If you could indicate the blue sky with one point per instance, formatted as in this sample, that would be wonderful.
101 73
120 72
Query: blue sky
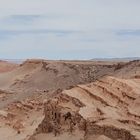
69 29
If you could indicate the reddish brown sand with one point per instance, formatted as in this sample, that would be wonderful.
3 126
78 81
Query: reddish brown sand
103 99
6 66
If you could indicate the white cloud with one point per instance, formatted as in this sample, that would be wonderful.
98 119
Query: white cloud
94 25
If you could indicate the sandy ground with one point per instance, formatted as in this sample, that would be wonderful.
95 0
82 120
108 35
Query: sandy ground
6 66
112 100
111 103
19 120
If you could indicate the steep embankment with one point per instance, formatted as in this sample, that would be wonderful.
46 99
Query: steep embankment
106 109
40 75
128 70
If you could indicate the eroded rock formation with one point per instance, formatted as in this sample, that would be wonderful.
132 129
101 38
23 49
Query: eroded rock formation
102 108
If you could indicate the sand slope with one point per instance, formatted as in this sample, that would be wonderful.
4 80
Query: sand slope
41 75
6 66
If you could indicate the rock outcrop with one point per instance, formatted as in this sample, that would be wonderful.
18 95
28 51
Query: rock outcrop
84 100
102 108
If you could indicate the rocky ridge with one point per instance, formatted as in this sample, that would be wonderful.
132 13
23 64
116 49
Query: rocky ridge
102 108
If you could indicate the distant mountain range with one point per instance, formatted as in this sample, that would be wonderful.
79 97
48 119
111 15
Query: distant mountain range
126 59
17 61
117 59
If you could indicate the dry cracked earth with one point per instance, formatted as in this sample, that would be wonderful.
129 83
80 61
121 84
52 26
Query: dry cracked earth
70 100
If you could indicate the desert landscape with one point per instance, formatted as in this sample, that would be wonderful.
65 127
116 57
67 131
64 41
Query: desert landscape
69 70
70 100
